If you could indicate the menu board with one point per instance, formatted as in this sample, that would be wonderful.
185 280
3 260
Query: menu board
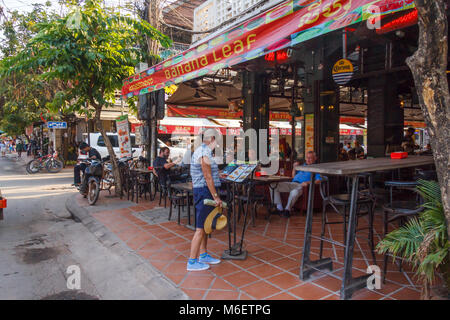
124 136
309 133
241 173
229 169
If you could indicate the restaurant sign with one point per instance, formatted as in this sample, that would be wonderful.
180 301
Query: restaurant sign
342 71
287 25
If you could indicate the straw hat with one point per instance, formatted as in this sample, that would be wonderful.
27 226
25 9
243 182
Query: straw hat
215 221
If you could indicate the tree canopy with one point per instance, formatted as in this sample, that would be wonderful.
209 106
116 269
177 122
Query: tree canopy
23 96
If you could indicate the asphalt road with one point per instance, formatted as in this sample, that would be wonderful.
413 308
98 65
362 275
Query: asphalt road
41 246
36 235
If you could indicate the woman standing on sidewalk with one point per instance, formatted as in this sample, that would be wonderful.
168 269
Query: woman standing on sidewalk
205 180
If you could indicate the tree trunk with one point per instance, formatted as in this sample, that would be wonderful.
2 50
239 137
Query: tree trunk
112 154
429 66
153 15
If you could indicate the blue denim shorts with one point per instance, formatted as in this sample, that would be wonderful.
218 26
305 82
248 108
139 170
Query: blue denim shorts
201 211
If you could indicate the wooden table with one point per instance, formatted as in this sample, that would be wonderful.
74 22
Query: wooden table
188 188
347 168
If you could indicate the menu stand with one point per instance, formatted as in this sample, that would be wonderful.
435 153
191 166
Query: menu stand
234 251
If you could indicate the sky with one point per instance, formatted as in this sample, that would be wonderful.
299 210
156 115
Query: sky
26 5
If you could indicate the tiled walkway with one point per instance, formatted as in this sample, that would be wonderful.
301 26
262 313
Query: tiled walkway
271 268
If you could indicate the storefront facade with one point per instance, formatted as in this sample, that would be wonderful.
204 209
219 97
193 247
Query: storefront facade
284 60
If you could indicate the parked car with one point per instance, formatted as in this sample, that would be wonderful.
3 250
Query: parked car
98 143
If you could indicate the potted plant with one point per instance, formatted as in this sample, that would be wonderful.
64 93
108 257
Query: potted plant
423 241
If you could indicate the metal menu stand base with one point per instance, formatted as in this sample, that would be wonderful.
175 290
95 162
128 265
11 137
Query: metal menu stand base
234 251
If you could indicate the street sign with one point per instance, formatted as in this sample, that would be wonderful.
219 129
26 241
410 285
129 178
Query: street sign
57 125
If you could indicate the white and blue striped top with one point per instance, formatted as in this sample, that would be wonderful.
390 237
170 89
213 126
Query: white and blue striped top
198 180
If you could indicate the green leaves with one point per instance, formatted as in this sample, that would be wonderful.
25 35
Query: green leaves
87 54
422 241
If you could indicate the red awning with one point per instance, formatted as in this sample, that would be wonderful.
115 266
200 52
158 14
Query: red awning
204 112
286 25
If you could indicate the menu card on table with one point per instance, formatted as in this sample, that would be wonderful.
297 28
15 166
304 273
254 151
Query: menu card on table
241 173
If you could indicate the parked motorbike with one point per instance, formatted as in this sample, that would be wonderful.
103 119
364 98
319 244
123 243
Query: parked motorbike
91 181
99 176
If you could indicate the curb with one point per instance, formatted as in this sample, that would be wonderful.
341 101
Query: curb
158 285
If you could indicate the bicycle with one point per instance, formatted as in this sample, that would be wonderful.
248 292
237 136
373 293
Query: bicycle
49 162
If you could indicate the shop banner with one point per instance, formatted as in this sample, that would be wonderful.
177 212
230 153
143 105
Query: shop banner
286 25
352 120
415 124
351 132
124 136
203 112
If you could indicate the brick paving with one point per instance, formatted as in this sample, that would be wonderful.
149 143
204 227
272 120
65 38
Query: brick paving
272 265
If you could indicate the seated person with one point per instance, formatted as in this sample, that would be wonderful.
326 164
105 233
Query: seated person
92 153
358 149
352 154
409 142
348 147
342 155
161 166
295 188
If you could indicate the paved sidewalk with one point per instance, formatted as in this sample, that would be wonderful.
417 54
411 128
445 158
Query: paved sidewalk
269 272
147 276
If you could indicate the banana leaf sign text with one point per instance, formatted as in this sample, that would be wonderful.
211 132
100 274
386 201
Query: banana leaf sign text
286 25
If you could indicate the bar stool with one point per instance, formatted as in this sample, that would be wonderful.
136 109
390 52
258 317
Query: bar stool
399 211
343 201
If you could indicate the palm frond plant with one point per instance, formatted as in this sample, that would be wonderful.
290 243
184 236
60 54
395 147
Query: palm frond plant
423 241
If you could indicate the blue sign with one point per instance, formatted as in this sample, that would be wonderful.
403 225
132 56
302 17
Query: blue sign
57 125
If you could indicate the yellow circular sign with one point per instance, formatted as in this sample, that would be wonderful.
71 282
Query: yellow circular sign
343 71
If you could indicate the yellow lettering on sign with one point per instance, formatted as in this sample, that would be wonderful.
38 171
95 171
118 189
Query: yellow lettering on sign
238 46
203 61
215 58
226 50
167 73
196 65
187 68
250 41
141 84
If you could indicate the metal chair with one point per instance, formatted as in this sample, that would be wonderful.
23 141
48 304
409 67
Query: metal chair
343 201
250 197
163 188
142 185
177 198
400 211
